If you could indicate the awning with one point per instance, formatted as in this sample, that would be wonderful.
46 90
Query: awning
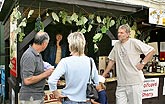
157 4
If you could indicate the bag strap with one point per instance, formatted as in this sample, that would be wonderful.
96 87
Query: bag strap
90 77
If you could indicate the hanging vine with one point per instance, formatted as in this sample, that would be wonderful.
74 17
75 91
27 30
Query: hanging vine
39 26
85 23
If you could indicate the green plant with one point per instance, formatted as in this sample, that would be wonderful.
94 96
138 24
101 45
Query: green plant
15 17
84 22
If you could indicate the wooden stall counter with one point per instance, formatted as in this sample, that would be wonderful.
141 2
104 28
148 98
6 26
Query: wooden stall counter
153 92
110 89
154 74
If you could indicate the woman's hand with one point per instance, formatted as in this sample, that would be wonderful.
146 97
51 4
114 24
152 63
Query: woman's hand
58 95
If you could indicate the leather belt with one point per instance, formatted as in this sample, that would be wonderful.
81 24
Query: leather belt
66 99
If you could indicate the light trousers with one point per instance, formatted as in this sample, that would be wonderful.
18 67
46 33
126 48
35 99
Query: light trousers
131 94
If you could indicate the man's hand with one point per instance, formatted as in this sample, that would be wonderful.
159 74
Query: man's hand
48 72
139 66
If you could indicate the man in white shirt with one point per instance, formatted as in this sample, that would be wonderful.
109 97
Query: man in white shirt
126 54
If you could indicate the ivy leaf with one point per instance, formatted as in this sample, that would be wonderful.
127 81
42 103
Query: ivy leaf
104 29
84 20
148 38
63 15
21 35
98 19
23 23
138 32
134 27
89 28
104 21
30 13
97 37
83 31
117 23
79 23
55 17
68 19
18 15
91 16
123 21
112 23
95 48
18 30
64 20
47 14
74 17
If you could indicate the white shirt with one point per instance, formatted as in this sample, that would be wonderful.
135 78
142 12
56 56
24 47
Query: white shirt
76 70
127 56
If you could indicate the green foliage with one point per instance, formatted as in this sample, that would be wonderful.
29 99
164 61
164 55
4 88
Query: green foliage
30 13
85 23
21 36
63 15
39 26
74 17
98 19
55 17
97 37
82 21
23 23
89 28
15 16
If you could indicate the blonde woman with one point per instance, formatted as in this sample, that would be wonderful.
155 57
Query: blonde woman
76 70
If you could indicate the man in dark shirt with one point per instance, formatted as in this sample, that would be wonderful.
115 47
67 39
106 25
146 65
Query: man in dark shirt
32 71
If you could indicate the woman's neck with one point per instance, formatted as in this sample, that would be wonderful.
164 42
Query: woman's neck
76 54
58 43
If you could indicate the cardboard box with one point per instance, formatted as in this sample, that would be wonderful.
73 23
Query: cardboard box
50 98
103 61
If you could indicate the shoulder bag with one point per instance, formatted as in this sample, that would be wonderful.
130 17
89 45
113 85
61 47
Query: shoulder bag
91 91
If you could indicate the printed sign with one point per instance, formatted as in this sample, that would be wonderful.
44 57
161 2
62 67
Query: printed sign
157 16
164 87
50 98
150 88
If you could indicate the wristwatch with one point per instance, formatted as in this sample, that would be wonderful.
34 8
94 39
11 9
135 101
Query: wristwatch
143 62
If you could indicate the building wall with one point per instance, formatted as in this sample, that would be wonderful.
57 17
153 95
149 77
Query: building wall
2 45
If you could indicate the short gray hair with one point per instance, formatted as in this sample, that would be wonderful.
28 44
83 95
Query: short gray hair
76 42
41 37
126 27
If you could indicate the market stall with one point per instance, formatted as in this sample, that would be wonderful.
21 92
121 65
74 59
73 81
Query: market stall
20 29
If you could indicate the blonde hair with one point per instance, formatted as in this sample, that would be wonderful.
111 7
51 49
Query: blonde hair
76 42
